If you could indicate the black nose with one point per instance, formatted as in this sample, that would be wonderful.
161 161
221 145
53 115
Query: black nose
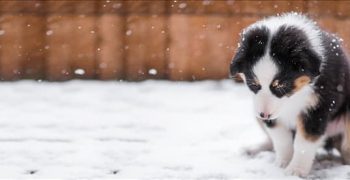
265 116
262 115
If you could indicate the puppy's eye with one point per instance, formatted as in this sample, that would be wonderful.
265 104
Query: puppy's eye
253 85
276 84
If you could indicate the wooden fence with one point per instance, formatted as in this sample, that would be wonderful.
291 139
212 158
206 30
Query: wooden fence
136 40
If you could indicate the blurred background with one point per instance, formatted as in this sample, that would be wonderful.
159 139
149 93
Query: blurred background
137 40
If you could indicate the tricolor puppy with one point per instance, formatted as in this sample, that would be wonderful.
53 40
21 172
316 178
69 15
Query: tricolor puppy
299 76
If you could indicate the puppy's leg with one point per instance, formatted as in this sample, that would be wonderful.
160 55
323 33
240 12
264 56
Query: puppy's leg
305 147
282 140
266 145
345 145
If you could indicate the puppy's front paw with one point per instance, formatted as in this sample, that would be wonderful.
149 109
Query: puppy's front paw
296 171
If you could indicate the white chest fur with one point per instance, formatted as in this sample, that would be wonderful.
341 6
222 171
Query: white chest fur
300 101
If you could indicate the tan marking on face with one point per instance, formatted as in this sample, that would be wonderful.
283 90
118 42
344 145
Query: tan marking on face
301 129
256 82
300 82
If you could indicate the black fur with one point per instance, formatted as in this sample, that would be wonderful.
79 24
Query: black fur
290 50
332 86
270 123
252 48
248 54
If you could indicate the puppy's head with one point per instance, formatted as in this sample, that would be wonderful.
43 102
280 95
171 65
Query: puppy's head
276 64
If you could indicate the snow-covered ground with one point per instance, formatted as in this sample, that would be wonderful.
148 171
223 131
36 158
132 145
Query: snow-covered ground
152 129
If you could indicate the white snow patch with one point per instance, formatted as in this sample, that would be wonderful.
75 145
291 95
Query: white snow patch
147 130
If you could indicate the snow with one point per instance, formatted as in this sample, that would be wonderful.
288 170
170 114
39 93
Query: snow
79 71
49 32
152 71
148 130
128 32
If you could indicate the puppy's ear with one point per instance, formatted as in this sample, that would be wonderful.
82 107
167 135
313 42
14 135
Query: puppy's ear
311 63
236 64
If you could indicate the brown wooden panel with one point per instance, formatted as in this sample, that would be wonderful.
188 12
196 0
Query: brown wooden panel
115 6
59 46
343 9
83 46
322 8
343 31
271 7
33 37
209 47
71 6
12 27
202 47
135 47
145 47
236 7
71 38
146 7
61 6
156 57
178 63
201 7
22 6
110 50
328 24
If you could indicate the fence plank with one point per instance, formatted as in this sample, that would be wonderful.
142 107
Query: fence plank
231 7
110 47
178 65
34 47
84 40
11 47
343 31
202 47
136 40
322 8
59 45
59 40
83 47
110 52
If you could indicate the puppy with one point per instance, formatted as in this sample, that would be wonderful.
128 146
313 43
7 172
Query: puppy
299 77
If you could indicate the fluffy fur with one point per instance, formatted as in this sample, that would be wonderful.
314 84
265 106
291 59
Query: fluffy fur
299 76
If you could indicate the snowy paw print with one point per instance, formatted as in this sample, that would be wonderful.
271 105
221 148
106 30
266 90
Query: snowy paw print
296 171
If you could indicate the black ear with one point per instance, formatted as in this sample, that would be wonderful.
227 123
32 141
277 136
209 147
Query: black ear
314 64
310 63
236 64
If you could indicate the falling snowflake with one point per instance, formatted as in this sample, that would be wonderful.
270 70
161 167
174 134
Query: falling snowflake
128 32
182 5
79 71
49 32
152 71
